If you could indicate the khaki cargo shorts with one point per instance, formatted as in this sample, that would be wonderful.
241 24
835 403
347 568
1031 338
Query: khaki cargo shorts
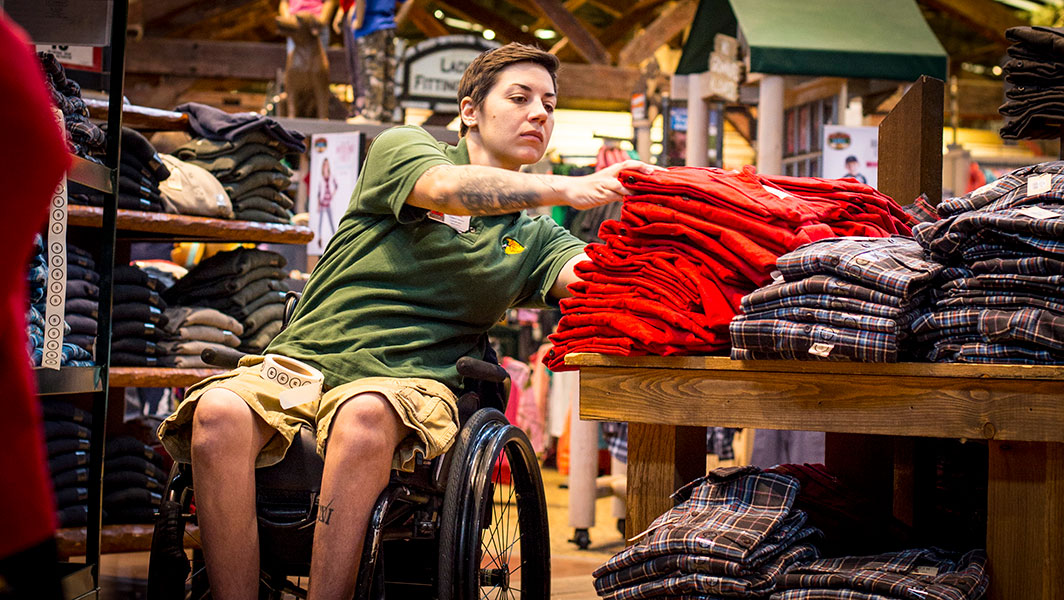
428 408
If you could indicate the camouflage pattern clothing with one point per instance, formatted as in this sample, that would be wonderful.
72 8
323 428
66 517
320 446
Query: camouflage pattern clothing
378 63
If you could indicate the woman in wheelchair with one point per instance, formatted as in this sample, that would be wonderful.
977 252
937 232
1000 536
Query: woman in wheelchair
431 252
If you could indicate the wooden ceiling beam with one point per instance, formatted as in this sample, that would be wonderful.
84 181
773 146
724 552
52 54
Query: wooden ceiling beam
585 43
474 13
987 17
425 22
670 23
581 85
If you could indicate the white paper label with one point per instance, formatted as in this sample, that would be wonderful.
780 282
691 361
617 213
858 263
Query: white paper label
1037 212
821 350
1039 184
926 570
459 224
782 195
56 259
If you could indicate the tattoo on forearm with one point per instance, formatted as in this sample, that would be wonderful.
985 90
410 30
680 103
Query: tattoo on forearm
482 194
325 512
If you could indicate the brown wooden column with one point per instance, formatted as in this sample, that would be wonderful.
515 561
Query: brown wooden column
910 144
1025 524
661 458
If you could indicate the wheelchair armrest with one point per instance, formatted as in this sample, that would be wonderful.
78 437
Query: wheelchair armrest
478 369
226 359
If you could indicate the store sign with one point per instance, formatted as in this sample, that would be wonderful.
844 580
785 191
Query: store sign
85 22
851 152
430 71
335 159
639 107
85 58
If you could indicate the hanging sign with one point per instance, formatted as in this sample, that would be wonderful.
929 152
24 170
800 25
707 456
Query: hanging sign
431 70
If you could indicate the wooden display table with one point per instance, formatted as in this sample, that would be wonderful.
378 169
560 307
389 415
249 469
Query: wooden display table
1020 411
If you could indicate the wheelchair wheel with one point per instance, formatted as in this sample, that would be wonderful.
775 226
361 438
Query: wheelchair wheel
494 541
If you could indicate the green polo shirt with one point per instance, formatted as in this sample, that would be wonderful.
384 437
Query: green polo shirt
397 294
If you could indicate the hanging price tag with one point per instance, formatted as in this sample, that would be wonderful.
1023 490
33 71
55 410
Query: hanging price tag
1039 184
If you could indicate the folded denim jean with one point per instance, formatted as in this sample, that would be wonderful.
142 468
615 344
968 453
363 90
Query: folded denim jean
69 461
139 311
71 496
82 274
185 316
126 293
259 216
243 312
204 148
88 342
266 192
58 410
135 173
131 497
184 361
136 464
116 479
204 333
191 347
917 574
81 324
73 516
126 359
260 204
256 341
263 315
227 264
71 476
223 286
65 429
83 306
137 188
267 184
60 446
82 289
225 165
135 329
251 292
128 345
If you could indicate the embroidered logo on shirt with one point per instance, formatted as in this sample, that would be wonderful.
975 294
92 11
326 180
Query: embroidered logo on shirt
512 246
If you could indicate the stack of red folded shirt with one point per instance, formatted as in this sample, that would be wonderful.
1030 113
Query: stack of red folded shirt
690 243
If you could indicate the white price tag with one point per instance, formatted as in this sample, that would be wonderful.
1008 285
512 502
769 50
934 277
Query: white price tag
1037 212
782 195
1039 184
820 349
455 222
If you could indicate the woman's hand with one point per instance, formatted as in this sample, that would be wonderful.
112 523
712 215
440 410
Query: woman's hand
603 187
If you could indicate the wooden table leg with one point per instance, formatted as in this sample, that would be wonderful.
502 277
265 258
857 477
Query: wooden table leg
661 458
1025 520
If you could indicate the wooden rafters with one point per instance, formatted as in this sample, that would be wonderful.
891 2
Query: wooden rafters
987 17
474 13
426 23
673 20
582 40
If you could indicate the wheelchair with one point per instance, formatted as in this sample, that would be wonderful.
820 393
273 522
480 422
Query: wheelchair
469 524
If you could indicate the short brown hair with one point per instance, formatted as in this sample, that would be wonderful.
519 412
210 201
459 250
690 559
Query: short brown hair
481 74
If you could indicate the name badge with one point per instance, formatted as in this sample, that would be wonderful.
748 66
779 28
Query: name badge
455 222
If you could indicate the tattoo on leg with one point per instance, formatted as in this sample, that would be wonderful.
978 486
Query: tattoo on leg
324 513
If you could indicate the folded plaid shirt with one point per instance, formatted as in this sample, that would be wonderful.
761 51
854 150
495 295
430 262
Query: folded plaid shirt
1028 326
979 252
1011 183
948 319
718 441
922 210
833 303
981 352
835 318
817 285
918 574
1000 300
775 335
1041 265
1013 228
729 514
1050 285
684 575
893 265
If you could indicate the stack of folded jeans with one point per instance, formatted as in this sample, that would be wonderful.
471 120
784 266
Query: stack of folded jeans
734 532
1033 97
851 298
190 330
1001 300
137 318
67 434
906 575
82 303
84 138
140 173
133 481
690 244
244 152
246 284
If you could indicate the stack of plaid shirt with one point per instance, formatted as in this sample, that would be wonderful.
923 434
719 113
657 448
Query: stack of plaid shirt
734 533
1001 300
930 574
851 298
690 242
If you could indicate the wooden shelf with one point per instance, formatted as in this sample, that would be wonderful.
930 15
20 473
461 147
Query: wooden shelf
67 380
188 228
157 376
90 174
141 117
994 402
70 541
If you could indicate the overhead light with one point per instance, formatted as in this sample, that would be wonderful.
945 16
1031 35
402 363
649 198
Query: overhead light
488 34
545 34
438 14
996 71
1026 5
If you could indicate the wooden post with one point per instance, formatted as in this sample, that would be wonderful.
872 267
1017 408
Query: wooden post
661 458
910 144
1026 498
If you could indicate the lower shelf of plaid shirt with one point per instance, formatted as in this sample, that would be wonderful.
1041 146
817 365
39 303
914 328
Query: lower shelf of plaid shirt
1018 409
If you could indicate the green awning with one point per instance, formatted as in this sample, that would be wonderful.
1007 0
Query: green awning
875 39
